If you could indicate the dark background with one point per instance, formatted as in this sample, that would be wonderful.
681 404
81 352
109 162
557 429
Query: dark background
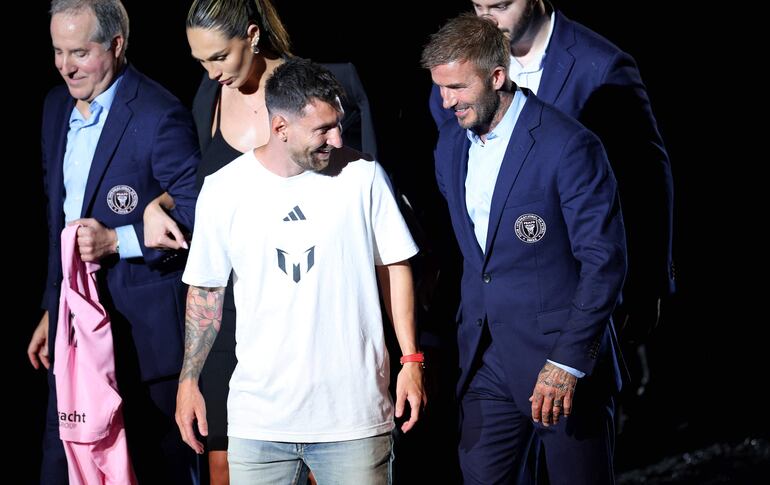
707 384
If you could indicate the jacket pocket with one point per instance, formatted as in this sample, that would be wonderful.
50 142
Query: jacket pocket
552 320
529 197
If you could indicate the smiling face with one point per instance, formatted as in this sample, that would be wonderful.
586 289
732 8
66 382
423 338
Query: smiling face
313 134
87 67
471 96
228 61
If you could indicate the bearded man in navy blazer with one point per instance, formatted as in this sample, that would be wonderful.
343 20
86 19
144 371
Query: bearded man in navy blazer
535 210
587 77
112 141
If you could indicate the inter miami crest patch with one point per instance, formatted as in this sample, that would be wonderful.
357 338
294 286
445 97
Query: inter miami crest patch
122 199
530 228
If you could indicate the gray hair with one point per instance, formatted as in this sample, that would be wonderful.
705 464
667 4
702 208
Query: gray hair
111 19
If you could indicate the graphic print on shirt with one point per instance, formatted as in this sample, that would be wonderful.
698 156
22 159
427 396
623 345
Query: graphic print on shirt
292 263
295 215
296 269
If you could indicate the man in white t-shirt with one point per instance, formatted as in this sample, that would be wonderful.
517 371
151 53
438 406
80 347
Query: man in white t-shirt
308 228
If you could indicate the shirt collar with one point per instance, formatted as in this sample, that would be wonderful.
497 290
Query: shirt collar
503 129
99 106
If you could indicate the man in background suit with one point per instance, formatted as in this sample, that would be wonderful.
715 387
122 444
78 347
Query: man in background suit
535 210
112 140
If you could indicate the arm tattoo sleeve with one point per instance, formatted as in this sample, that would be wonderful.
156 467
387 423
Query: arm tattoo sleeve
202 321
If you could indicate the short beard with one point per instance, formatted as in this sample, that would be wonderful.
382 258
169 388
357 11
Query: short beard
308 163
525 21
486 109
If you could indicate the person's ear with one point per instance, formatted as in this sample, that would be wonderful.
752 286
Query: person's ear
279 127
117 45
499 77
253 35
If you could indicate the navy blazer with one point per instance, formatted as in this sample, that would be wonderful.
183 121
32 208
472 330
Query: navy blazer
551 296
593 81
148 144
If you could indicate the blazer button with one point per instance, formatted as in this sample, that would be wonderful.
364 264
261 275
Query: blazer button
486 278
479 322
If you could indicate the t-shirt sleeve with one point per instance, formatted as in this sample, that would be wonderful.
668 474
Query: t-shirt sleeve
208 264
392 240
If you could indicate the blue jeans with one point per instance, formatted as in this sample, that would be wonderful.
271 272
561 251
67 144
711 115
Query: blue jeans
366 461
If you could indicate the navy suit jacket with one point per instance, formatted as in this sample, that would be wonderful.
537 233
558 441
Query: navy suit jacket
545 299
593 81
148 143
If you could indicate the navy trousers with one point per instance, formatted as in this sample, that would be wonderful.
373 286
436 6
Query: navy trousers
498 436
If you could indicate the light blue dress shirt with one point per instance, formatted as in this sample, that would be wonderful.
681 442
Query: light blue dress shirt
484 161
82 139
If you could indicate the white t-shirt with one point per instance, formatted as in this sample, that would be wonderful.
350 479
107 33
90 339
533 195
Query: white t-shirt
312 363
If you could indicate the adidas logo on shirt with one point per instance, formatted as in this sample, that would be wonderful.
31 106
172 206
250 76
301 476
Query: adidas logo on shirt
295 215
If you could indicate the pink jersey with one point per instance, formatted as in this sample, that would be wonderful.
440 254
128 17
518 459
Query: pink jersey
89 406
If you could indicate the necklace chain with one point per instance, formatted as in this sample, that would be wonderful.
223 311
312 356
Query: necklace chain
253 109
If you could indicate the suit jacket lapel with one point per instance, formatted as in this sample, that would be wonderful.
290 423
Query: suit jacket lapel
460 170
518 147
116 123
55 163
558 60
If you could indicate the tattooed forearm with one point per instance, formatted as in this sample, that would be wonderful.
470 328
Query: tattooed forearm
202 321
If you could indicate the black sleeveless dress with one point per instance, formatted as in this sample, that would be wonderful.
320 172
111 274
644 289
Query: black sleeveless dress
220 364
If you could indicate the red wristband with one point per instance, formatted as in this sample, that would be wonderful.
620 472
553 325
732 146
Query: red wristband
418 357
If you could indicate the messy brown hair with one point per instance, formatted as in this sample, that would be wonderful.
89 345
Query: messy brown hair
468 38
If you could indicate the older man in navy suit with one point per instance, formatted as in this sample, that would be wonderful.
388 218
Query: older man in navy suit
535 210
112 141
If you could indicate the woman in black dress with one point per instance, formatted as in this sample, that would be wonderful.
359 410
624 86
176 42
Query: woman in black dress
239 43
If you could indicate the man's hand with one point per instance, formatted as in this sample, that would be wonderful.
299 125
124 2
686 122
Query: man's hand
160 230
202 321
409 387
190 406
37 350
398 294
94 240
553 394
